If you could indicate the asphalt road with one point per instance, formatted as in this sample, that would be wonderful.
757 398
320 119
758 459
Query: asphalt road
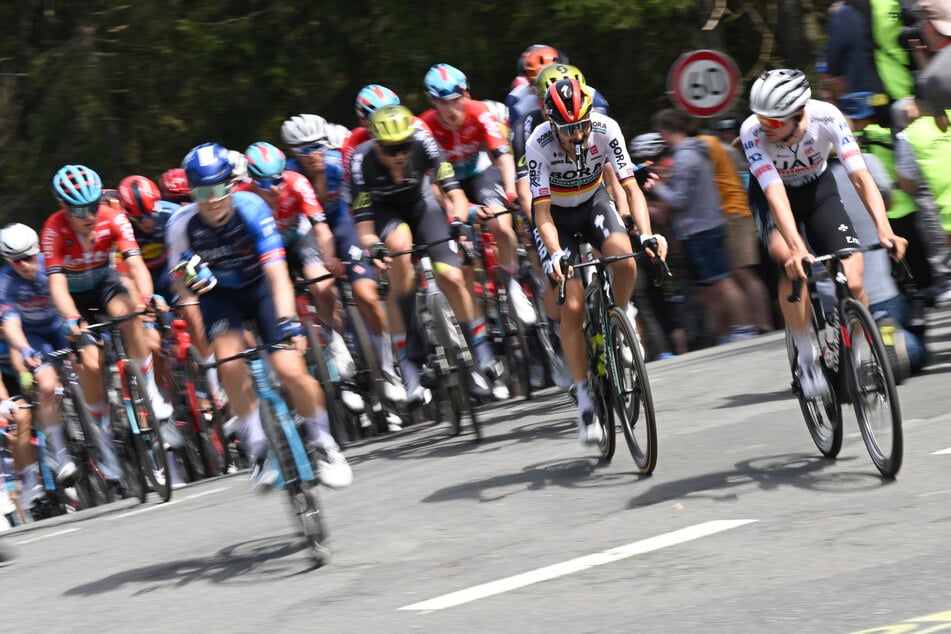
742 528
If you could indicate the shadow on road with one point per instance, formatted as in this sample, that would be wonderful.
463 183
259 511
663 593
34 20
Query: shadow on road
769 472
250 562
740 400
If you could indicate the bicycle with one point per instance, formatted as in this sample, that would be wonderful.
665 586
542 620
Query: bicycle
448 355
288 448
615 357
139 437
855 364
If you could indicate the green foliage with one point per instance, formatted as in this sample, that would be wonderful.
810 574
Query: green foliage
129 88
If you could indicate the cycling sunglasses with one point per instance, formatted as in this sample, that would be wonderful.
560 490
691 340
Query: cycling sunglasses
23 260
205 193
83 211
772 124
392 149
448 95
267 183
568 129
307 150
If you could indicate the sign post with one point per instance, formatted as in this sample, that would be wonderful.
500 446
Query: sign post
703 83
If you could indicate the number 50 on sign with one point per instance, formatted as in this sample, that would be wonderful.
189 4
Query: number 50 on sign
703 83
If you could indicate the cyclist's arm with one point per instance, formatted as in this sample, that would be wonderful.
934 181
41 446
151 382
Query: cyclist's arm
635 199
545 225
618 193
870 194
783 217
13 333
277 273
506 166
140 275
62 299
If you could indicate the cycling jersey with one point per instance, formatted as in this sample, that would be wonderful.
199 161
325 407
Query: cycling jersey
152 245
805 161
297 208
360 135
521 130
373 184
28 301
567 183
85 268
466 146
333 172
236 252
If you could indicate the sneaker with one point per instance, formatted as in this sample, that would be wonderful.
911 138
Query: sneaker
393 423
589 431
393 389
337 347
352 401
31 495
480 385
163 409
524 309
263 476
500 391
813 382
492 368
333 470
171 435
66 471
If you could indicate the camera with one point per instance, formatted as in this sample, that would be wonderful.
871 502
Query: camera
910 35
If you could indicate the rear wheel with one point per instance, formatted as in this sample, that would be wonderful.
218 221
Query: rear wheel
460 365
153 459
823 416
91 486
341 421
369 372
212 444
874 395
632 391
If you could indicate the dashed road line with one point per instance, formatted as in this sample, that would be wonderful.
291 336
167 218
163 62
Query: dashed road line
47 536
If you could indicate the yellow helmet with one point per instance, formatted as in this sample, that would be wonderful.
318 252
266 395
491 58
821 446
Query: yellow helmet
392 124
553 72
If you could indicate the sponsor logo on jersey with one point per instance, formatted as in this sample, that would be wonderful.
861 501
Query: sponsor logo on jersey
618 150
445 171
363 201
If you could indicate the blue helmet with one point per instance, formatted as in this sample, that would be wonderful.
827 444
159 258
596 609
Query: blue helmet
374 96
445 82
264 160
77 185
207 164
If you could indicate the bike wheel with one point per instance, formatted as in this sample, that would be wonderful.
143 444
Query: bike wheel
632 391
91 486
153 459
515 345
341 422
303 502
606 416
369 372
460 365
823 416
213 446
874 395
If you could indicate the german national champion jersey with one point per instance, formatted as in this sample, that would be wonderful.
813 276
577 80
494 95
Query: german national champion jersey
802 162
28 301
373 183
236 252
466 147
67 253
554 175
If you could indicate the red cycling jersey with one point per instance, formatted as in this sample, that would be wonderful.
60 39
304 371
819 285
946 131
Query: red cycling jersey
66 253
295 199
479 131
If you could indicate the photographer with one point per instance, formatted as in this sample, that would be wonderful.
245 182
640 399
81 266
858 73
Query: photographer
934 56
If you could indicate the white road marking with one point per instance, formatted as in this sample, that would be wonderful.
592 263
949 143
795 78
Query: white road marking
208 492
36 539
145 510
576 565
942 452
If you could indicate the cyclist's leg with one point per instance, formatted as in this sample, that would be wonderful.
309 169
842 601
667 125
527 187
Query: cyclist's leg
606 233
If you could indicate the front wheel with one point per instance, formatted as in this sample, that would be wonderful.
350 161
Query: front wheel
147 439
874 395
823 415
633 399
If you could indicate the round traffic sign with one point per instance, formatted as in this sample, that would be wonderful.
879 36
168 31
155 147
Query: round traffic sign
703 83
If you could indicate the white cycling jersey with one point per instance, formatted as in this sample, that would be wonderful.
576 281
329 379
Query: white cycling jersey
553 175
802 162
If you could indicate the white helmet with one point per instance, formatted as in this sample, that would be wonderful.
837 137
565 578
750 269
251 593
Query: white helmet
336 135
304 129
239 165
647 146
779 94
17 241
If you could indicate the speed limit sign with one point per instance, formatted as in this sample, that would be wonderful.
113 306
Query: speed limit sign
703 83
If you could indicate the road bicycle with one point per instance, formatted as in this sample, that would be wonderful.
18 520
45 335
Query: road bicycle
855 364
136 432
617 373
288 449
449 363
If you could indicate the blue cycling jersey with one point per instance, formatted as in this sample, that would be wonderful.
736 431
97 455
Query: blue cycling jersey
28 301
152 245
237 252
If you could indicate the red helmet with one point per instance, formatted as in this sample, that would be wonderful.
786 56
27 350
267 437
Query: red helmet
567 102
175 186
138 196
538 57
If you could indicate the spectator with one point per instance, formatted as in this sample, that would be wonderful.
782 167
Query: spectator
697 220
934 58
740 236
729 132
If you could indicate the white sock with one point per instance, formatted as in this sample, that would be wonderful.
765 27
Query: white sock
212 376
584 396
57 441
318 428
252 434
807 354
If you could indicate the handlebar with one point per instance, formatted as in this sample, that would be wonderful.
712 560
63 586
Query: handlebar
842 254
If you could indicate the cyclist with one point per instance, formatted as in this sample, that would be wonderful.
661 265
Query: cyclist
175 187
78 244
308 243
787 141
565 161
236 236
32 326
371 98
481 157
393 205
307 136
